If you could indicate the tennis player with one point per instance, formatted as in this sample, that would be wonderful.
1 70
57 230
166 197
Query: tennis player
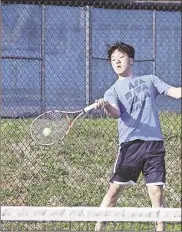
132 100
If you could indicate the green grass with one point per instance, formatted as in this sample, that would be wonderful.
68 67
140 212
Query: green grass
76 172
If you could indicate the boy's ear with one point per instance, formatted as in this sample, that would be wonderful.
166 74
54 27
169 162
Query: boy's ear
131 61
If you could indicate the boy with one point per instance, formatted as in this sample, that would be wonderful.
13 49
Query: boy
132 100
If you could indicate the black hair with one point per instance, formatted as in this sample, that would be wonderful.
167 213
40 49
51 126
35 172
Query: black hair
123 47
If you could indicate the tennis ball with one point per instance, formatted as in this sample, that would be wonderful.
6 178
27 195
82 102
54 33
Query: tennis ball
47 131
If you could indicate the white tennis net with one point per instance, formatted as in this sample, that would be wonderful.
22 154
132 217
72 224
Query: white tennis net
125 219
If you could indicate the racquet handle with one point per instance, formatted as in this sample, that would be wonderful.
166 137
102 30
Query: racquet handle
90 107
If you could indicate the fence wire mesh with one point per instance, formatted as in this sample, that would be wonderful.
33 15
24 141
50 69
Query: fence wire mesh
54 56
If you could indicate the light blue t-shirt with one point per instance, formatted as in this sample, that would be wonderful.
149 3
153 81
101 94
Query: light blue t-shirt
136 99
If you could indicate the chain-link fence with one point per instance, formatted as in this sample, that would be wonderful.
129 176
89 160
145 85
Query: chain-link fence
55 57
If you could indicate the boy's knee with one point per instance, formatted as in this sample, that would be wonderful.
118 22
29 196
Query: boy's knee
155 190
114 192
156 195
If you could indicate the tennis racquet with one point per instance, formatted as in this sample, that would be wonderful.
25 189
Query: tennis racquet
52 126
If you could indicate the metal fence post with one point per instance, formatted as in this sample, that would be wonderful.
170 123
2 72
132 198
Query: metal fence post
154 42
88 48
42 74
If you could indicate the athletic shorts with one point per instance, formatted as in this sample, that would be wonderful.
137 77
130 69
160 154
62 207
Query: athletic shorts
140 156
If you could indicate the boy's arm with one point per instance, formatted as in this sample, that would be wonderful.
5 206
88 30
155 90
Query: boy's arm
164 88
110 109
174 92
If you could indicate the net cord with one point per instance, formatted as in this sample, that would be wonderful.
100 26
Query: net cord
30 213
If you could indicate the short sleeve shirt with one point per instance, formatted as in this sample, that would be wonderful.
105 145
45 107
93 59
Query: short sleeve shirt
136 100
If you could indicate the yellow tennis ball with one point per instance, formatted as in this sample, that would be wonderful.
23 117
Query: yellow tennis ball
47 131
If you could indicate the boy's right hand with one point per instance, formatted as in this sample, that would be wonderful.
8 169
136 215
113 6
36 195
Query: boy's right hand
101 103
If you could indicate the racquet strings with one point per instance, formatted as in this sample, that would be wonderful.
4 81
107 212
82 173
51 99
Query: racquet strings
58 122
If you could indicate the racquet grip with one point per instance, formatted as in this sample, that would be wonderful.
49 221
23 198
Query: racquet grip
90 107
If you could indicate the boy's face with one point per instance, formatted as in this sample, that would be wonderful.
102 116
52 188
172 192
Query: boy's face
121 63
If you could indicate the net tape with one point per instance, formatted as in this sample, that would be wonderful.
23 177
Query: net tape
30 213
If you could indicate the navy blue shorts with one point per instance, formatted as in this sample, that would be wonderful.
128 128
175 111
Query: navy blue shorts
140 156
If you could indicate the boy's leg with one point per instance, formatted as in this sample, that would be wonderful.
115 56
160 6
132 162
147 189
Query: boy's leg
154 174
114 192
126 170
157 200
